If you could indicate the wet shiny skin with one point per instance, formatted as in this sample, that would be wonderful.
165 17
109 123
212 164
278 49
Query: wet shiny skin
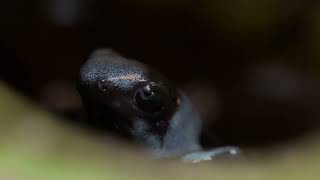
142 104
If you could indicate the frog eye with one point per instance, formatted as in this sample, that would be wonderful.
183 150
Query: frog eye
151 99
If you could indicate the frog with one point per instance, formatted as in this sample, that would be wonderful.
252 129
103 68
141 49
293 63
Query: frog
139 103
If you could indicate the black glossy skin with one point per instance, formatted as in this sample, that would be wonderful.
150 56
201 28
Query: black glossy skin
108 85
115 93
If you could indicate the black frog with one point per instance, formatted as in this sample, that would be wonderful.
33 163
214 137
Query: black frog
141 104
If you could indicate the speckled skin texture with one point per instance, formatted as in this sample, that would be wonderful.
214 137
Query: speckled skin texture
108 84
109 66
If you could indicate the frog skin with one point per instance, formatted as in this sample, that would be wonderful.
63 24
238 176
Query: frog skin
141 104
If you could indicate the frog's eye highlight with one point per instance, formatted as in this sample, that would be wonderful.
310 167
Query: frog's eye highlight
151 99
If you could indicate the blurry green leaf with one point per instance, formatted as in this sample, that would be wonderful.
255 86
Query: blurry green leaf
37 145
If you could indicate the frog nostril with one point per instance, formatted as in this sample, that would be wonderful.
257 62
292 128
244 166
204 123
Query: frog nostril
103 85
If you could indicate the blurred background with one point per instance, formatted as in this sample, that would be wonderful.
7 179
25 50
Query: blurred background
252 68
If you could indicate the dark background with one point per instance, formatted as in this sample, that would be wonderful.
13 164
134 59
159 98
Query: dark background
260 59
